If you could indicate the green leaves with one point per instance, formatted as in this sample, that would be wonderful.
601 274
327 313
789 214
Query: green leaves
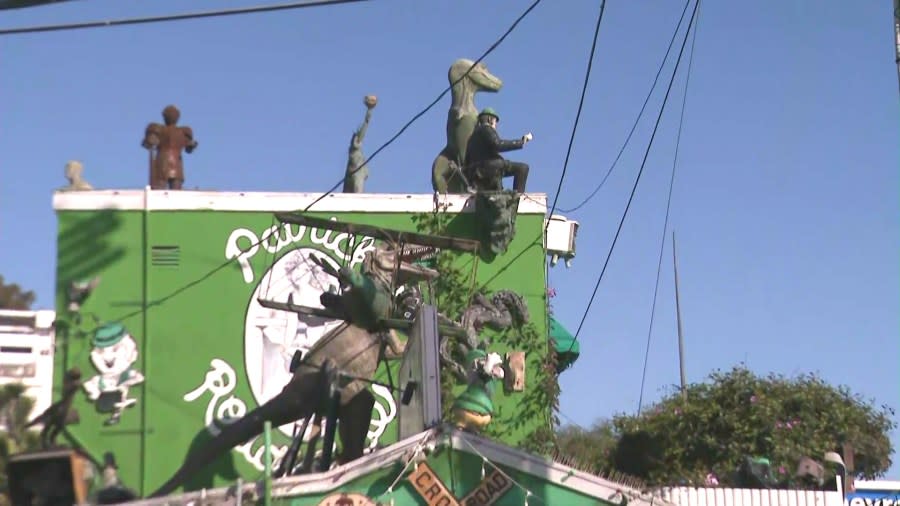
738 413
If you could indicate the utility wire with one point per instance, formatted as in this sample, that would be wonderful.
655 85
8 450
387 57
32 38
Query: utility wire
638 178
429 106
587 76
662 242
339 183
175 17
637 120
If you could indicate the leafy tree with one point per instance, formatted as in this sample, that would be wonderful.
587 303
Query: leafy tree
14 412
12 296
738 414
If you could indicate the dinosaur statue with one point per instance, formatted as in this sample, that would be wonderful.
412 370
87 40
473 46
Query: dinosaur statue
60 413
506 308
357 173
73 172
352 351
446 171
473 409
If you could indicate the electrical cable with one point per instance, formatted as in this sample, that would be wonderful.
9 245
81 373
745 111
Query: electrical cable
175 17
638 178
640 114
429 106
662 243
587 76
341 182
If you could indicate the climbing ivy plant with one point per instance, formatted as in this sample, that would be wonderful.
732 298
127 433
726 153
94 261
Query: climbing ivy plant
540 400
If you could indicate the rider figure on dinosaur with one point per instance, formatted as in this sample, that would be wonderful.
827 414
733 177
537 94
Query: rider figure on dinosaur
485 168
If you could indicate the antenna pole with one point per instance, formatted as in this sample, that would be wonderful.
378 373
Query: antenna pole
897 37
678 315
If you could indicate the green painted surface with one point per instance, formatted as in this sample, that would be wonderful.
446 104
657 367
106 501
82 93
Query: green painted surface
460 472
192 318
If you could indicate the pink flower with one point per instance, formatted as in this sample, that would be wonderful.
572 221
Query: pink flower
778 425
753 399
796 422
789 426
782 470
551 292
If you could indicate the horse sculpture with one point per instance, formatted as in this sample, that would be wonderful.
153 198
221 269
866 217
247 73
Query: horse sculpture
446 171
352 351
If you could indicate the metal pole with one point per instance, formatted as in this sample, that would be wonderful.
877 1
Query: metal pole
267 480
897 37
678 316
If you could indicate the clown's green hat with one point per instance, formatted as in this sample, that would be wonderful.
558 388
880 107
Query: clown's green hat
109 334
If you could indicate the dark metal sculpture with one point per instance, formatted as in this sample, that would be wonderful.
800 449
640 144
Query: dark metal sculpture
485 168
357 173
60 413
495 214
446 171
340 363
165 143
73 172
503 310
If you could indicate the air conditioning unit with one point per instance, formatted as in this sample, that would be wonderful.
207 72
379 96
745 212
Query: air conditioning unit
560 239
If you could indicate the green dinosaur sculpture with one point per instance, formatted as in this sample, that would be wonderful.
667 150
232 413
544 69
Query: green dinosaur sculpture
495 212
474 408
446 171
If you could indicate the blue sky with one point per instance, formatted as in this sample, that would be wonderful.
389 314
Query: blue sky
785 199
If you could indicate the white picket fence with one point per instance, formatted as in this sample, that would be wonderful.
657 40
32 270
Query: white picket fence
720 496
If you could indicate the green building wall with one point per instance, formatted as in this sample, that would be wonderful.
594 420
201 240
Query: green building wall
163 262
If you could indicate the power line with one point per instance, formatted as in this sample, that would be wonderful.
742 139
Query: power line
662 242
175 17
429 106
587 76
638 178
640 114
341 181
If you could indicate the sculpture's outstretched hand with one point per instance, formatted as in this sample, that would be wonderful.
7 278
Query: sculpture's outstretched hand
527 138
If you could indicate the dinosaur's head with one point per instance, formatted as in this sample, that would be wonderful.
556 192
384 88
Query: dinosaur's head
383 261
479 79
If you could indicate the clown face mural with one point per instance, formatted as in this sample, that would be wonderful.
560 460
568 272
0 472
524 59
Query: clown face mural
114 354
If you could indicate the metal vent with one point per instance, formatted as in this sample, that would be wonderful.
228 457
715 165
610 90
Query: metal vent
165 256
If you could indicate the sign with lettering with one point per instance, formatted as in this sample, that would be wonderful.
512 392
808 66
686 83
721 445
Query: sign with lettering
494 485
432 489
343 499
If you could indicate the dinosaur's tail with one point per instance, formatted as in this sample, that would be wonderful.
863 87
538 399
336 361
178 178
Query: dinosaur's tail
281 409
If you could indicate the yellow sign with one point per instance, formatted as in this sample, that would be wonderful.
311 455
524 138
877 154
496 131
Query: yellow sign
343 499
491 488
432 489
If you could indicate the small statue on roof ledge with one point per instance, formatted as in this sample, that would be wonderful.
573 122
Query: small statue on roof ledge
165 143
357 173
73 172
473 409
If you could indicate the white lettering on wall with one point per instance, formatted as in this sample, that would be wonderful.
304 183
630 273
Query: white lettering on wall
244 244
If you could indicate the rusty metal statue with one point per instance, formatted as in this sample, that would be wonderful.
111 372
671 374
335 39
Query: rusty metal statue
165 143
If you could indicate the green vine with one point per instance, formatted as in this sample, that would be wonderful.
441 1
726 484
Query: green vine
540 400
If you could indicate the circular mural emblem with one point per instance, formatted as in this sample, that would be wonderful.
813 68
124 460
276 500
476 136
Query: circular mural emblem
271 337
347 500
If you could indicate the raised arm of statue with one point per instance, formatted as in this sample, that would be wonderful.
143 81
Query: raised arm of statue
151 136
501 144
189 136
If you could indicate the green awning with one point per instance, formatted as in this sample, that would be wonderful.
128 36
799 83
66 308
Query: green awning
567 349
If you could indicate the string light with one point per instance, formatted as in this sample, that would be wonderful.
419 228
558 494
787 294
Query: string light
527 495
483 462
